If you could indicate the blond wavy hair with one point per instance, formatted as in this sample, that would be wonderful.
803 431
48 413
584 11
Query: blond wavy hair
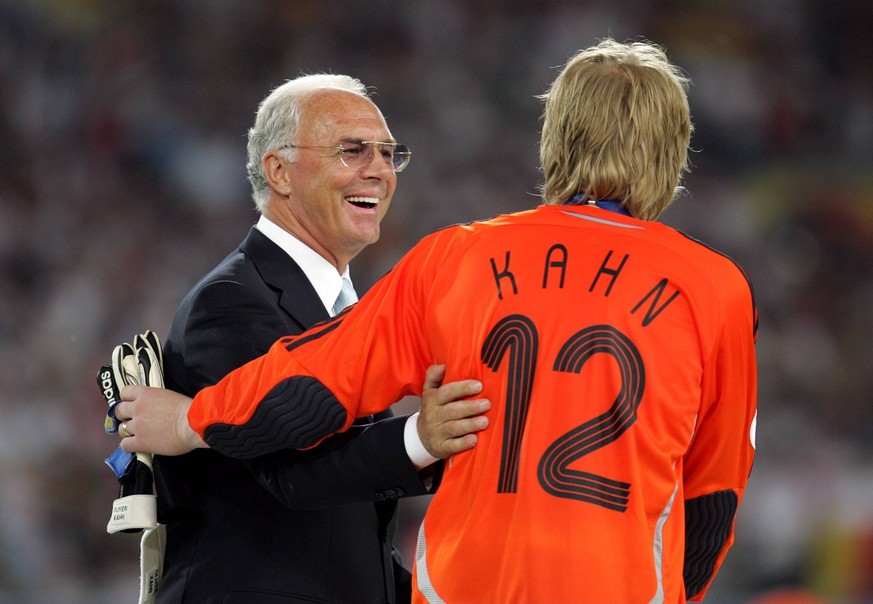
616 125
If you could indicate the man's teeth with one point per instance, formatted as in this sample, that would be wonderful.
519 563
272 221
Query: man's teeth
367 200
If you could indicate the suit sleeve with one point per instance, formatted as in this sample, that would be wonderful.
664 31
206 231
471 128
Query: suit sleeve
229 325
718 463
315 384
365 463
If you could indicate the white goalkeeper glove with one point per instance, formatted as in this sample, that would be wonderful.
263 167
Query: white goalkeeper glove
136 507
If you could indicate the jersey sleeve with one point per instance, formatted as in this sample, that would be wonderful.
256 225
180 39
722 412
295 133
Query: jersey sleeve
719 460
313 385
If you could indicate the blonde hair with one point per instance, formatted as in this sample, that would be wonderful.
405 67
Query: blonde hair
616 125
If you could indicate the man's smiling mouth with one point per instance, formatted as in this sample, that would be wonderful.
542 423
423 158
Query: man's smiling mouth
363 202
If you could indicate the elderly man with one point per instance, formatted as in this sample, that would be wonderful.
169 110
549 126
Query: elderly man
299 526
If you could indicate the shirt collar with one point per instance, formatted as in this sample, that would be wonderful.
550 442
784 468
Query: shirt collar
321 274
604 204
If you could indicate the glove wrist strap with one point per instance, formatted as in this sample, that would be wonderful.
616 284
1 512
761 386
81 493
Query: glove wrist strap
133 512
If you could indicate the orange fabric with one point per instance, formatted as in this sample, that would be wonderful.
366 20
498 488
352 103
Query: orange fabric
619 358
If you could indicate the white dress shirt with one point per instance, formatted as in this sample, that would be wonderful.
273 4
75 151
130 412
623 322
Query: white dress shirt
327 283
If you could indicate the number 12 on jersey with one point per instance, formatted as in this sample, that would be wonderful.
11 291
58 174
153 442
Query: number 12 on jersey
516 340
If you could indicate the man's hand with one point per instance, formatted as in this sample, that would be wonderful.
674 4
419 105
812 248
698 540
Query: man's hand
156 421
447 424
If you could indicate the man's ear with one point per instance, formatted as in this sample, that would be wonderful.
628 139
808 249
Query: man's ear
276 172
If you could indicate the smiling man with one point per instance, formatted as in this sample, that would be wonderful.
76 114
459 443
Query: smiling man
295 526
332 184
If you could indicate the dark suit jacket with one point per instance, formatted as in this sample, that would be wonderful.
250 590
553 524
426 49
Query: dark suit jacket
295 526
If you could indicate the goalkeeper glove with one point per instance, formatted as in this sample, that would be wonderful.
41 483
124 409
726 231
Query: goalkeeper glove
137 363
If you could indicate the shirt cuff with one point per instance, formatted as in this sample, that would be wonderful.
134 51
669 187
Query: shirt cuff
418 455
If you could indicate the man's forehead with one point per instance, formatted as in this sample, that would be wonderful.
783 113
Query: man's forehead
339 110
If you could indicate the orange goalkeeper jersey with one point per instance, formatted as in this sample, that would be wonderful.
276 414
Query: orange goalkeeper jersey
619 358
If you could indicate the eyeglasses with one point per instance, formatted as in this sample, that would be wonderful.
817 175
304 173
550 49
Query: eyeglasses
359 154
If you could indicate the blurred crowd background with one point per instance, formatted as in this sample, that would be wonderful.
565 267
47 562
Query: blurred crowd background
122 152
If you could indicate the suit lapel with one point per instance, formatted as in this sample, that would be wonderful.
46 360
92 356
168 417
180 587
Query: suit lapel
297 297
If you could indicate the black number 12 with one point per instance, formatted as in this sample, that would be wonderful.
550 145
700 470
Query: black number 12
517 336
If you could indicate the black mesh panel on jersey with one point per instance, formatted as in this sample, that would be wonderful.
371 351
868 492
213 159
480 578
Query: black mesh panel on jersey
295 414
708 521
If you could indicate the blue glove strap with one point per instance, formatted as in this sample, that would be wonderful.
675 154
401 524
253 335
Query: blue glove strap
110 424
121 462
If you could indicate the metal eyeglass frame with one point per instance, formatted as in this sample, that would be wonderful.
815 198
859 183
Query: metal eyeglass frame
399 158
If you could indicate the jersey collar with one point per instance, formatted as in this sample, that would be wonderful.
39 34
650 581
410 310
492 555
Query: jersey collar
611 205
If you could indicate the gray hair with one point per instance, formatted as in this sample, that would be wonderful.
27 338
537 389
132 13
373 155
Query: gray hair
278 119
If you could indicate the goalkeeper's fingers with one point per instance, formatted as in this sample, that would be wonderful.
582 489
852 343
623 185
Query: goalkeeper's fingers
149 359
152 341
125 365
